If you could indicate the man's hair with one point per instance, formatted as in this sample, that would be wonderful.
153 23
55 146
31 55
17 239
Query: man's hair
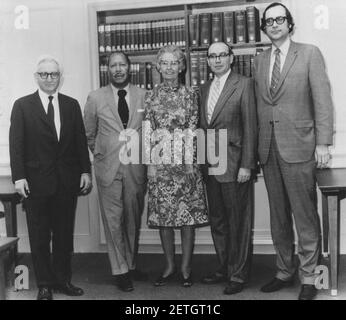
116 53
48 58
288 15
230 51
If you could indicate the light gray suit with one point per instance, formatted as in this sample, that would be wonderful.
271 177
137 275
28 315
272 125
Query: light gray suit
291 123
121 187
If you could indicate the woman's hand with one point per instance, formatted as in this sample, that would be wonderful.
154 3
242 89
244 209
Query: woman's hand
151 173
190 175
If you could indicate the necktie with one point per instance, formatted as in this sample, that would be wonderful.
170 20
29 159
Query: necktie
214 96
123 108
50 112
276 72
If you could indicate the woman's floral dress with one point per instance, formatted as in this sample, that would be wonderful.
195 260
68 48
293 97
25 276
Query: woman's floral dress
173 201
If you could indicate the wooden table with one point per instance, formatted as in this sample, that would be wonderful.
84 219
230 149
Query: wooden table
5 244
332 183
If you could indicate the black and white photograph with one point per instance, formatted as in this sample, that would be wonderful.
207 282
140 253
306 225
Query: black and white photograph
172 156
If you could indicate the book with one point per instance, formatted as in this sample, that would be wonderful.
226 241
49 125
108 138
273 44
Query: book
108 38
156 77
142 75
194 72
216 27
117 37
113 37
253 24
193 30
148 76
228 27
240 26
123 36
203 67
101 36
204 19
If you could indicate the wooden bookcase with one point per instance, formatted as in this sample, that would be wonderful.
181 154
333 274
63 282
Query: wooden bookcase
123 18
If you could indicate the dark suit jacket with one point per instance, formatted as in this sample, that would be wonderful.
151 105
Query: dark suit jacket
302 107
235 111
38 156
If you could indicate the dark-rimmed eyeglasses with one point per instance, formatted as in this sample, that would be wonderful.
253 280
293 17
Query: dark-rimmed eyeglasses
279 20
44 75
220 56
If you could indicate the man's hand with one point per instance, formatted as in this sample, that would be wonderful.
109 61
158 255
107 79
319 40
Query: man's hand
322 156
22 187
85 183
244 175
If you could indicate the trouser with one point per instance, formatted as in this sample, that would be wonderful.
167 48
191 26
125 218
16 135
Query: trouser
292 189
230 215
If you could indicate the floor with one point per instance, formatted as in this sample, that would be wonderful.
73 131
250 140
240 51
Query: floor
92 273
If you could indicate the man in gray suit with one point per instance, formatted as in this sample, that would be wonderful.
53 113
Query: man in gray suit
295 114
121 187
228 105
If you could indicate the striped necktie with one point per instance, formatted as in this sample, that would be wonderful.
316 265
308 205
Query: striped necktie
214 96
276 72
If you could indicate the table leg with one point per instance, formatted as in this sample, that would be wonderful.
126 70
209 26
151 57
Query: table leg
333 241
2 278
325 225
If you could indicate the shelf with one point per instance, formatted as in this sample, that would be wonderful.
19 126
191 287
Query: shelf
237 46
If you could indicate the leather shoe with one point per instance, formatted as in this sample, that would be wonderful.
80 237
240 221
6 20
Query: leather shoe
233 287
161 280
124 282
276 285
214 278
44 293
307 292
69 289
186 282
138 275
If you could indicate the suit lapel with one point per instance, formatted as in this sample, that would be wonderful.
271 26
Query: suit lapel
63 116
266 69
41 113
204 98
226 93
113 106
291 57
132 105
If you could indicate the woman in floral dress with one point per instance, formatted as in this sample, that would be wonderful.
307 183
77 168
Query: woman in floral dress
176 192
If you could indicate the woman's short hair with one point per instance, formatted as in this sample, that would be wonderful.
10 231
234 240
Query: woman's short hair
176 51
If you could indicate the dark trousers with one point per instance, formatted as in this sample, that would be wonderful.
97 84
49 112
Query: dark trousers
50 221
230 215
292 189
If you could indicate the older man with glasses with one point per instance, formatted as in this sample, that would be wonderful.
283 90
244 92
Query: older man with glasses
50 167
228 103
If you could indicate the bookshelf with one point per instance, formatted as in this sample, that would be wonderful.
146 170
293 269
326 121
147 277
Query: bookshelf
140 32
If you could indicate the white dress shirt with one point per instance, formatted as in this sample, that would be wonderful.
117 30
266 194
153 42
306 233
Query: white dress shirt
222 80
45 101
283 54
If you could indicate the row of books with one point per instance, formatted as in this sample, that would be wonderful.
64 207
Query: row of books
241 26
135 36
143 75
200 72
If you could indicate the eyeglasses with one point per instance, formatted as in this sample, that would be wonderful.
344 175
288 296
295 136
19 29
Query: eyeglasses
279 20
220 56
167 63
44 75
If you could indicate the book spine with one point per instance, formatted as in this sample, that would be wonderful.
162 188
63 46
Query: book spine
253 24
137 75
203 67
148 76
141 36
205 29
156 77
161 32
193 31
194 69
108 38
142 75
228 27
118 37
216 27
150 35
183 33
135 36
101 36
173 35
240 26
123 36
113 37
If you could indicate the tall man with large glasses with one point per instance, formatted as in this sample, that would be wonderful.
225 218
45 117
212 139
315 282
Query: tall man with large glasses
228 106
295 114
50 167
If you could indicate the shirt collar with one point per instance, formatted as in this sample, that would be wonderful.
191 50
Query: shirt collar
283 48
115 89
224 77
44 96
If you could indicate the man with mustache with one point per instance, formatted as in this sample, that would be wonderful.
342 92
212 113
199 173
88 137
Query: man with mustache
121 187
